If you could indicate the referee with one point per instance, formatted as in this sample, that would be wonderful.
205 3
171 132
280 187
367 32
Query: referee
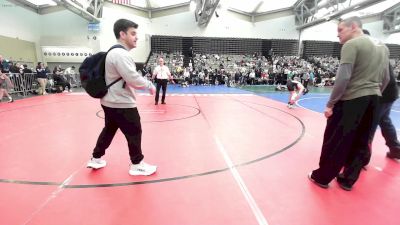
162 75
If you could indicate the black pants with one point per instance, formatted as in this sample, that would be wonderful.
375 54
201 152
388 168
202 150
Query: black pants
68 85
126 119
161 83
345 141
305 83
61 81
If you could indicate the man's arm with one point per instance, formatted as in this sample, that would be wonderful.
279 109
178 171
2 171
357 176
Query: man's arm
126 68
343 76
154 73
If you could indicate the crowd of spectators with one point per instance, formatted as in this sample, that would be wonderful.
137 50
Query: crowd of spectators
38 80
213 69
250 69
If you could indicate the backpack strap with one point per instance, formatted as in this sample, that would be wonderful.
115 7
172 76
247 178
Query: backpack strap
115 46
112 83
115 81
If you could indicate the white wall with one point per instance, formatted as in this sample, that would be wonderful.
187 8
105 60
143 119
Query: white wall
226 25
184 24
17 22
107 37
328 32
324 32
67 30
64 28
376 30
279 28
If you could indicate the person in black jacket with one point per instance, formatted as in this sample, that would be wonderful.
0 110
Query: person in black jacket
389 96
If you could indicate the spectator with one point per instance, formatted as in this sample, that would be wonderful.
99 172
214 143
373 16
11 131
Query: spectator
60 80
5 85
42 78
352 106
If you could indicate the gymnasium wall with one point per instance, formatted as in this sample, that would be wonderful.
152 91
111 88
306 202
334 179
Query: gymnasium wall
64 28
112 13
17 22
18 50
328 31
18 26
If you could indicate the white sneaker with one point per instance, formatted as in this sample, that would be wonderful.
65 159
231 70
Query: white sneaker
142 169
290 106
96 163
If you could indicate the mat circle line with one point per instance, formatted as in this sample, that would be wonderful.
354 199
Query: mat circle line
60 184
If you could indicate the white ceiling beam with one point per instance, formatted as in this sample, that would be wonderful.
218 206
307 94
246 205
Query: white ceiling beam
78 10
257 7
336 15
25 4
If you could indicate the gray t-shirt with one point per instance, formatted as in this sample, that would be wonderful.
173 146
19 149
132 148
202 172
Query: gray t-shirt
363 69
370 59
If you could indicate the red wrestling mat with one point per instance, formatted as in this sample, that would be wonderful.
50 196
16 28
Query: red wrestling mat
222 159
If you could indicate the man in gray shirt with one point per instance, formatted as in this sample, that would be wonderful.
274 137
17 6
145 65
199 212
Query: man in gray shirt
352 107
119 104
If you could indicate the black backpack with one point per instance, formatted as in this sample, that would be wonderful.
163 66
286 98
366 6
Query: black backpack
92 74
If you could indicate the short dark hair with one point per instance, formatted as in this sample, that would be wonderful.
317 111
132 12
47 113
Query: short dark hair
123 25
353 19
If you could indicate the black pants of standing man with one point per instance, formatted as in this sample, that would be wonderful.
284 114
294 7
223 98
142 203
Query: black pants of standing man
126 119
161 83
345 141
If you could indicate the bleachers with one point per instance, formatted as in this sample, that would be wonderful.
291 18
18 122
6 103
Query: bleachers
284 47
320 48
213 45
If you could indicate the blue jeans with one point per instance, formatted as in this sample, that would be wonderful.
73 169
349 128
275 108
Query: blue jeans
387 128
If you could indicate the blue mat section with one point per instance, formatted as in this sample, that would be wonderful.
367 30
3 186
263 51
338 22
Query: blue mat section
221 89
315 100
317 103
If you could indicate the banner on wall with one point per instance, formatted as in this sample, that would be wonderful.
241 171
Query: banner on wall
122 2
94 27
65 53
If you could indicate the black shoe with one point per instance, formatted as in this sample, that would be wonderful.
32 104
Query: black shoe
156 103
163 103
393 155
315 182
342 183
344 186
